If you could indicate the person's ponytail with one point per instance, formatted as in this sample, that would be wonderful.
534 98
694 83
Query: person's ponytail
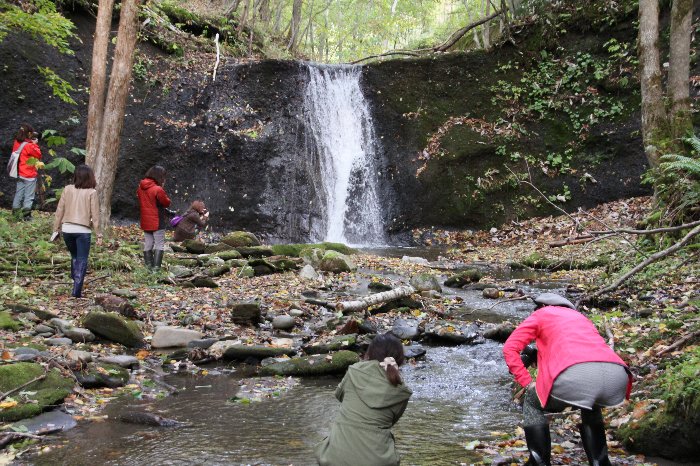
393 375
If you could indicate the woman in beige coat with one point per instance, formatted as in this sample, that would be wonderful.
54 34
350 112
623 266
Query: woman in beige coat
77 214
373 398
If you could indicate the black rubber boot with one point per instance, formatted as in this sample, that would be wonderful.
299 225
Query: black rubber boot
148 259
539 442
593 437
157 259
79 277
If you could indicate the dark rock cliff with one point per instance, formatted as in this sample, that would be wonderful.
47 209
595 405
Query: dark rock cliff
239 143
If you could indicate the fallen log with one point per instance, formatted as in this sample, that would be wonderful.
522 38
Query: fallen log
575 240
363 303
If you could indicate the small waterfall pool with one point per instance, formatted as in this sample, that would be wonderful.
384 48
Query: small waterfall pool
459 394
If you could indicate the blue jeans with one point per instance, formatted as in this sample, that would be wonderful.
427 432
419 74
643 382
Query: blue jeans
78 245
24 196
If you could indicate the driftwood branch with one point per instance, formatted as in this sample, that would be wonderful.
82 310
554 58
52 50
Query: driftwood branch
367 301
10 437
650 260
649 232
679 343
461 32
35 379
386 54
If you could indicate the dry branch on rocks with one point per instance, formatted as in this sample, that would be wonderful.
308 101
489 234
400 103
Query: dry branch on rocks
363 303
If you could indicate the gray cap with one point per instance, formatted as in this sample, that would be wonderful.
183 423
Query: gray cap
552 299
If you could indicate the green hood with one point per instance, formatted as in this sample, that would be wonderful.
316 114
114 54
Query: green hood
372 386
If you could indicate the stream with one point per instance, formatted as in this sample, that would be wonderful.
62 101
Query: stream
460 394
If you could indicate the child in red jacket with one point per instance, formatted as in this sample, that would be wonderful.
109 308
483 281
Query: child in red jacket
153 201
27 173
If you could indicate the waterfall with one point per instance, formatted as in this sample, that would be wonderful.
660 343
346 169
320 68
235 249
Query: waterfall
343 156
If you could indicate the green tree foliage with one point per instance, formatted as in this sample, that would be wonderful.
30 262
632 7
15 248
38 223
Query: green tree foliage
40 19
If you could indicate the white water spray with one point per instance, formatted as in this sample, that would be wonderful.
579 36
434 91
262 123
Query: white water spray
340 124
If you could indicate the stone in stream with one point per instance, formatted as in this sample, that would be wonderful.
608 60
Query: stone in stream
499 332
415 260
122 360
48 421
283 322
491 293
414 350
463 278
147 419
102 375
451 332
405 329
313 365
425 282
166 337
204 343
336 343
308 273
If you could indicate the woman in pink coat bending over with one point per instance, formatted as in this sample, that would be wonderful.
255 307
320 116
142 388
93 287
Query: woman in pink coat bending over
575 367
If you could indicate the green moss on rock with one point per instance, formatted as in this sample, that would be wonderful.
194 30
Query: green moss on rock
463 278
313 365
241 239
7 322
40 395
115 328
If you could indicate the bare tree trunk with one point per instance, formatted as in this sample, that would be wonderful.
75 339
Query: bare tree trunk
486 29
98 79
113 121
294 26
653 111
679 68
264 12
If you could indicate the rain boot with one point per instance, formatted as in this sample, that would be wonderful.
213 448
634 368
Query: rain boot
79 277
593 438
539 442
157 259
148 259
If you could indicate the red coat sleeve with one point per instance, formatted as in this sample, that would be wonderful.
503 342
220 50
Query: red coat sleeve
33 150
162 198
519 339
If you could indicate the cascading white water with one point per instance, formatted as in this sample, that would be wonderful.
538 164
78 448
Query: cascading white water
345 152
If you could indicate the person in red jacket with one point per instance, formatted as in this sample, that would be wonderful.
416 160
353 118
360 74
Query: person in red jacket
153 201
575 367
27 174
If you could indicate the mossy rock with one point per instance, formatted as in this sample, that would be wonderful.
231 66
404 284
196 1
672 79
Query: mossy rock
336 262
425 282
463 278
241 239
255 251
246 272
184 262
235 263
217 270
243 352
46 392
193 246
114 327
378 286
262 267
663 434
313 365
22 308
283 264
204 282
8 323
217 247
228 254
339 247
291 250
312 255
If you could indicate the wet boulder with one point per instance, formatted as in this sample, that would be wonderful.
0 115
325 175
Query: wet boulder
414 350
336 262
48 421
312 365
115 328
241 239
450 332
499 332
283 322
405 329
102 375
41 394
425 282
465 277
491 293
145 418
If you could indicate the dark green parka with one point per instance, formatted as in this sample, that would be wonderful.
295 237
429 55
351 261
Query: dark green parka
370 406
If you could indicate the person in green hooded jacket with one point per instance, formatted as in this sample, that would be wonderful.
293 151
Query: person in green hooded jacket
373 397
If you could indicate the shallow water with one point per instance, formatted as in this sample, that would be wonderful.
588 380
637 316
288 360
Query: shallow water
460 394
